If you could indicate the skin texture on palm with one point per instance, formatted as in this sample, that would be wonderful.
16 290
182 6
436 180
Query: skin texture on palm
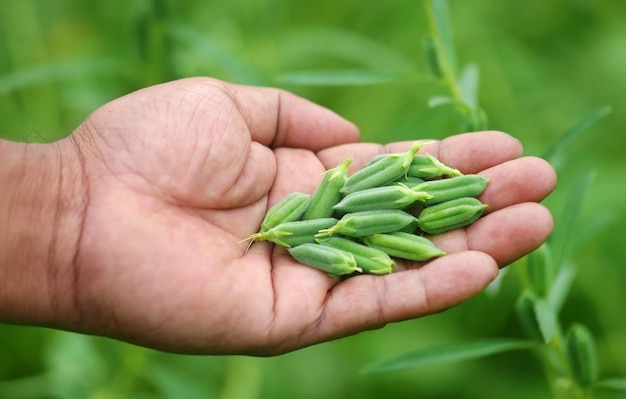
175 176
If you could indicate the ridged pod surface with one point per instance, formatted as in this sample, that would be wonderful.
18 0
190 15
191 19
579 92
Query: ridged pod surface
404 245
289 209
360 224
328 194
371 260
333 261
381 172
450 215
452 188
397 196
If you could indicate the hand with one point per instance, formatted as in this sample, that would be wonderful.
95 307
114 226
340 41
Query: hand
177 175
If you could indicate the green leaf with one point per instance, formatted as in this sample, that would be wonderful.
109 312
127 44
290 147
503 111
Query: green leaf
345 77
438 101
468 82
475 120
430 55
555 153
546 319
561 287
62 70
565 226
439 15
612 383
527 315
450 353
537 316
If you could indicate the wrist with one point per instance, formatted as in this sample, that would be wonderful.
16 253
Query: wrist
40 219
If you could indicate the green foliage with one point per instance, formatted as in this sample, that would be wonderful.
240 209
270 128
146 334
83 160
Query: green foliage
397 70
451 353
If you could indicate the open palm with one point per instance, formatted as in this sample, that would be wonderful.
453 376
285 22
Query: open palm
179 174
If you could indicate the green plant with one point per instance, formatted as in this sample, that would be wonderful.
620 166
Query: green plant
569 358
540 63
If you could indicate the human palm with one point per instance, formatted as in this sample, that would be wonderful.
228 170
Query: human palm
179 174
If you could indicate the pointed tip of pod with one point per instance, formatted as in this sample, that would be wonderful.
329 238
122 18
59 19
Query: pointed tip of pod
347 162
333 261
455 173
418 144
260 236
389 266
326 232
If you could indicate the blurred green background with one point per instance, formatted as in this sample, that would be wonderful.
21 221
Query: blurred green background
543 64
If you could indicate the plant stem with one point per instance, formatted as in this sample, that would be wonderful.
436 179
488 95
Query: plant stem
448 73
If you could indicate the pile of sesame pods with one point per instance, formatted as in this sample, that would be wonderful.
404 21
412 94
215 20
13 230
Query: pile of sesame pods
363 222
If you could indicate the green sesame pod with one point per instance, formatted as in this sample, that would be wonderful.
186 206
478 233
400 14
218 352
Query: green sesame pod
450 215
452 188
404 245
378 158
371 260
291 234
381 172
426 166
327 193
289 209
408 181
361 224
581 351
333 261
396 196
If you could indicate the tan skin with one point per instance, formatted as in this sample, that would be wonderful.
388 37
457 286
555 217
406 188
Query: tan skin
142 209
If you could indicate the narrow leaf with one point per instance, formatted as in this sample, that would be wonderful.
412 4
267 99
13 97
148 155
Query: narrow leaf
555 152
468 82
438 101
565 227
345 77
561 287
612 383
546 319
62 70
430 55
440 16
450 353
475 120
